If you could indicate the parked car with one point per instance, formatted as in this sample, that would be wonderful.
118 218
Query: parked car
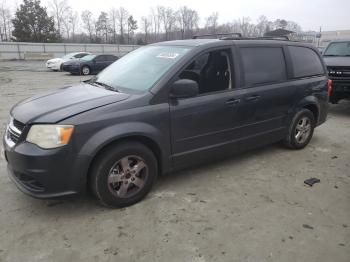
164 107
337 59
89 64
56 63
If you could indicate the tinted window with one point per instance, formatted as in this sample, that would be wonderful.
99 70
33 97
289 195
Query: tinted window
111 58
263 65
100 58
305 62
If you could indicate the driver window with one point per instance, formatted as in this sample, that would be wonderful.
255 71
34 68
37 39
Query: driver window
212 71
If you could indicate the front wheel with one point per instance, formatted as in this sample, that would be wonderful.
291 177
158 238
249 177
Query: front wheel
124 174
85 70
300 130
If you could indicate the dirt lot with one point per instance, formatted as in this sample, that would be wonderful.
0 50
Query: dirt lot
250 207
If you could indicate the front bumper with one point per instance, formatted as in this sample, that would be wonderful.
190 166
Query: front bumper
340 89
53 66
46 173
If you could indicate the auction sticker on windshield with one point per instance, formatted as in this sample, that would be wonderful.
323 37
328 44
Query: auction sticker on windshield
168 55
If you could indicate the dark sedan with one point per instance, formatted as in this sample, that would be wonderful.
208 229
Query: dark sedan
90 64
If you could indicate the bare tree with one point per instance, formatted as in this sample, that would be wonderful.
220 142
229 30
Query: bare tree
74 19
102 26
168 19
88 22
67 23
262 25
132 26
113 20
59 9
146 25
5 22
122 18
188 20
156 22
211 22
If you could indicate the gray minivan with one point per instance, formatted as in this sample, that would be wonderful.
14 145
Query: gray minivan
164 107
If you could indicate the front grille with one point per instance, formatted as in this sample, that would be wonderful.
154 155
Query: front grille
14 131
20 126
339 72
13 136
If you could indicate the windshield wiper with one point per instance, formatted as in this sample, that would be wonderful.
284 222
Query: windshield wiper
97 83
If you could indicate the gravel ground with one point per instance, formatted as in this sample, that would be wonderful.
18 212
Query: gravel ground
249 207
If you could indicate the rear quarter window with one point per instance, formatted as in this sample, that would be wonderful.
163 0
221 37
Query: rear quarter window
263 65
305 62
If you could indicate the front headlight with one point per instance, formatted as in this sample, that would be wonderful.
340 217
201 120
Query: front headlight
50 136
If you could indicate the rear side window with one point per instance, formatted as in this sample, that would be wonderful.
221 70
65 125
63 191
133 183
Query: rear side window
305 62
263 65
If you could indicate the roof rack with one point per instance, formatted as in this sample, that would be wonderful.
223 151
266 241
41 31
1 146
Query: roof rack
281 38
217 36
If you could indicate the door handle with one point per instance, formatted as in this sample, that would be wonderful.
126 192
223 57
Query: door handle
233 101
253 98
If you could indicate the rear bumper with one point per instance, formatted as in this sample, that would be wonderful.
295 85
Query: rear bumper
46 173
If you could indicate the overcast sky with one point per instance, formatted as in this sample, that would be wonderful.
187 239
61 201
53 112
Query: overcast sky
309 14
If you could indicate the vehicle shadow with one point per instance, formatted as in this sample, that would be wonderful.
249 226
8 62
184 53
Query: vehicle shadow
86 205
217 163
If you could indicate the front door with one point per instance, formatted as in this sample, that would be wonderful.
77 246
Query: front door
206 122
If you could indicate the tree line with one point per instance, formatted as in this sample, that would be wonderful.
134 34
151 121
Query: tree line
32 22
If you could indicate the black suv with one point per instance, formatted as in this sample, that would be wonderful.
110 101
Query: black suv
163 107
337 59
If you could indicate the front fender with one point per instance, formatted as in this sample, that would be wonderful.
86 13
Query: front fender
128 130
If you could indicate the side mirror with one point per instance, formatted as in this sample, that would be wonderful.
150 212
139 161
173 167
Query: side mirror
184 88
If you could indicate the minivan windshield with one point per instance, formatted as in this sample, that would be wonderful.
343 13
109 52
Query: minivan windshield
338 49
142 68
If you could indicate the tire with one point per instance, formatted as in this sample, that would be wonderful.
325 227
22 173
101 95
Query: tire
113 178
85 70
300 130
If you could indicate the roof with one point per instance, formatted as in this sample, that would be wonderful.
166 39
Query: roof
208 43
188 42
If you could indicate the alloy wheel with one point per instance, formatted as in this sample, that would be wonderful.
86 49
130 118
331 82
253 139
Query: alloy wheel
303 130
127 176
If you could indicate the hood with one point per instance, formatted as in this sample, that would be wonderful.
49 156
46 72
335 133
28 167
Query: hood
337 60
54 106
54 60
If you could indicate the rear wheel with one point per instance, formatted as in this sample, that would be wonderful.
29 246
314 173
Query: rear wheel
300 130
85 70
123 175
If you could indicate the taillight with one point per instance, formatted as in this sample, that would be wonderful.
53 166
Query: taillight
329 84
